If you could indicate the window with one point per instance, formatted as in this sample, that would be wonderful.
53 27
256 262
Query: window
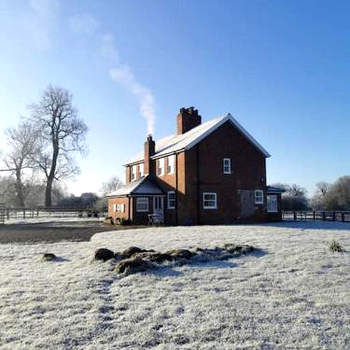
227 165
209 200
133 173
272 204
171 164
141 204
141 169
171 200
114 207
160 171
259 197
121 208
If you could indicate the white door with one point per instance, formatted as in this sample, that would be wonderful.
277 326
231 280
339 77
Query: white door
158 207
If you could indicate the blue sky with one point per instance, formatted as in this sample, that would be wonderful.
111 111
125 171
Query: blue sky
282 68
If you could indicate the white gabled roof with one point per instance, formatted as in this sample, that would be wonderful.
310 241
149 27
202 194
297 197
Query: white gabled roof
143 186
176 143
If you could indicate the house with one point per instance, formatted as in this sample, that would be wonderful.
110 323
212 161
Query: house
207 173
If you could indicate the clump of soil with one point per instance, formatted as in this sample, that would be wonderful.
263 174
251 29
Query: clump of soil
135 259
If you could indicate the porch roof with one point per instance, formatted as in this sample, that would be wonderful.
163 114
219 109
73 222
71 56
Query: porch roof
143 186
271 189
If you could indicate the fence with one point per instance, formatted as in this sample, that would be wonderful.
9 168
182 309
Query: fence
32 213
2 214
343 216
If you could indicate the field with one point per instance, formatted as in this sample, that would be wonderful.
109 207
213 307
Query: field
293 294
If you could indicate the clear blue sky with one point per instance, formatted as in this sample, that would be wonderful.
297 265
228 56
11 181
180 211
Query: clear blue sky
282 68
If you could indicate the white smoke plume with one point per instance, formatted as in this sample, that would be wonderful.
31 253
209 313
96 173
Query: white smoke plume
119 72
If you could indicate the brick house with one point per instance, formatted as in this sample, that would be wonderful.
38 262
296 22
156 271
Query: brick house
208 173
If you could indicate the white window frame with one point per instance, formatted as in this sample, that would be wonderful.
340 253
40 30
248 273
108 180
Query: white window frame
226 163
171 200
215 206
272 205
259 197
161 164
171 164
142 204
141 169
133 173
114 207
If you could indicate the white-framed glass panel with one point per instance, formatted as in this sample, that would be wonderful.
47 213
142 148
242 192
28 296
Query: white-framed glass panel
141 169
171 164
171 200
209 200
259 197
133 173
142 204
160 170
114 207
272 206
227 165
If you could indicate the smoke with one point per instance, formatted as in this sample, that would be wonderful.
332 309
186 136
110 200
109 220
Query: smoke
119 72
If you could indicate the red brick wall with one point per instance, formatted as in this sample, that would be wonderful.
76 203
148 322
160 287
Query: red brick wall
248 172
117 214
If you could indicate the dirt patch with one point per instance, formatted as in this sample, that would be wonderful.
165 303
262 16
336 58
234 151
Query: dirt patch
54 231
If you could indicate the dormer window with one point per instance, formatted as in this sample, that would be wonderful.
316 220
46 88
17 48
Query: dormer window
171 164
227 165
160 170
141 169
133 173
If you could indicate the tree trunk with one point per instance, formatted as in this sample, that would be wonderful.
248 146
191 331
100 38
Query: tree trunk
51 177
19 189
48 193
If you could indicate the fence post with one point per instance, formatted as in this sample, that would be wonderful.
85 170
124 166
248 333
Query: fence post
314 215
8 213
342 217
324 216
295 215
333 216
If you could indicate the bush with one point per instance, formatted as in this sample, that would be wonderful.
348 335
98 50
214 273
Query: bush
125 222
335 247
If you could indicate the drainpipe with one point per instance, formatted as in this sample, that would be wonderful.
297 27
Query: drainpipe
198 188
176 192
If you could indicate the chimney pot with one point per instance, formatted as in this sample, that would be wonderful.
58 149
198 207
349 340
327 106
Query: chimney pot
187 119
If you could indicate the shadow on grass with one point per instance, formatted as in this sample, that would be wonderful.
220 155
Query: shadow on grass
310 225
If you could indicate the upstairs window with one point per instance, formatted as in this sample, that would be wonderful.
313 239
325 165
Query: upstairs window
171 164
141 169
160 170
133 173
209 200
141 204
227 165
259 197
171 200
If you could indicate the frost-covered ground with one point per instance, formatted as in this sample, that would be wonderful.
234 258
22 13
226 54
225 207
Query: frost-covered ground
295 295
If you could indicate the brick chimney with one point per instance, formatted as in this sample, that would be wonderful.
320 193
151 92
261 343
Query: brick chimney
187 119
150 146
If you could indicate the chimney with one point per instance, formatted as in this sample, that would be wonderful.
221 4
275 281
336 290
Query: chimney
187 119
149 151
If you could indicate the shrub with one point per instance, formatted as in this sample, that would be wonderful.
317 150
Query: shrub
125 222
335 247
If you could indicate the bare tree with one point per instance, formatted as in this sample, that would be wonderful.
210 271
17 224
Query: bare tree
23 144
62 134
111 185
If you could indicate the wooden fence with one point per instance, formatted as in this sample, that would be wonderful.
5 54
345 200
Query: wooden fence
343 216
32 213
2 214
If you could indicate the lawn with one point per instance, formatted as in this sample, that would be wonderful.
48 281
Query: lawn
293 294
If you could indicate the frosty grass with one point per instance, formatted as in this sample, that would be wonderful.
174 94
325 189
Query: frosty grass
293 295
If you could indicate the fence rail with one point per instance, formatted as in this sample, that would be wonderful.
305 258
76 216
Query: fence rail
343 216
32 213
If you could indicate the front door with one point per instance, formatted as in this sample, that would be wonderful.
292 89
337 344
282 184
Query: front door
158 207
